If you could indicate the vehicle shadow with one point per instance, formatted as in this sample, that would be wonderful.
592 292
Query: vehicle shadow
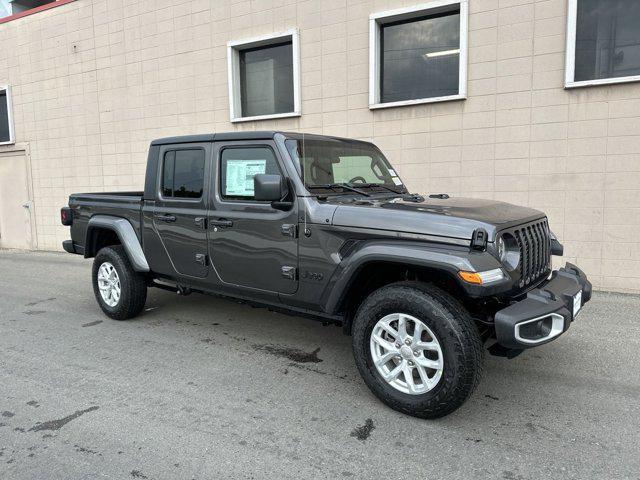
512 391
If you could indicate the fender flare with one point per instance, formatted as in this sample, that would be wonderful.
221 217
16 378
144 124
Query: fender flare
447 260
127 235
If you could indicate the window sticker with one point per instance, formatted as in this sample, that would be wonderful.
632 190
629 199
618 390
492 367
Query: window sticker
240 173
397 181
392 172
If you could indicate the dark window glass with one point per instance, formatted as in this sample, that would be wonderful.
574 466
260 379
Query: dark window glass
183 174
607 39
4 117
266 80
238 166
188 176
420 58
167 174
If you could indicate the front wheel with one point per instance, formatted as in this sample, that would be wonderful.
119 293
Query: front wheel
120 291
417 349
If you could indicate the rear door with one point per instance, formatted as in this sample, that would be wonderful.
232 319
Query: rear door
252 244
180 212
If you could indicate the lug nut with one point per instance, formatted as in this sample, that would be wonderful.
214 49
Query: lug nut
397 344
410 363
416 353
407 342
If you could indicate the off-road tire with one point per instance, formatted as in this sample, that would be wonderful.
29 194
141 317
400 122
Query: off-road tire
462 347
133 284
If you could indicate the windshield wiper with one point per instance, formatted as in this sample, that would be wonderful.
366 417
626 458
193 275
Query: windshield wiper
343 185
369 185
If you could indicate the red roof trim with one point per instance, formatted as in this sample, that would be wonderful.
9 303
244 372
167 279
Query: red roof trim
41 8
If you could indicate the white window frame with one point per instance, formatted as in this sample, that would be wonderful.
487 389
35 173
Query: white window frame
376 20
12 137
570 62
233 70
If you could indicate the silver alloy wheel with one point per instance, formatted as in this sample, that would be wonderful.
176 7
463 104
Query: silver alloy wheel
109 284
406 353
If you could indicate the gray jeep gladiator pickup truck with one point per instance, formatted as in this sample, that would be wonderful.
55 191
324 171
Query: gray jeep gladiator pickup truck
324 227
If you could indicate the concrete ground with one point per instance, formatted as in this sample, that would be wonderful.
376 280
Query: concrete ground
203 388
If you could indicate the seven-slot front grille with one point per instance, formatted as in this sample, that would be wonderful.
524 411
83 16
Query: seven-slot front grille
535 250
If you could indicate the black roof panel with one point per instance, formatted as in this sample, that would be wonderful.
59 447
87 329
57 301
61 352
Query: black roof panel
207 137
210 137
244 135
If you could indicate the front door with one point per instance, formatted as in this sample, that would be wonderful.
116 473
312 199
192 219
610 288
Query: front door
180 212
252 245
15 201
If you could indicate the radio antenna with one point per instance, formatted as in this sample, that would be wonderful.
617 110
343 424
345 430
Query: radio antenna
301 155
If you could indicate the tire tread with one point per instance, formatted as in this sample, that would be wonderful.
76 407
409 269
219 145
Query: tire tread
133 284
470 349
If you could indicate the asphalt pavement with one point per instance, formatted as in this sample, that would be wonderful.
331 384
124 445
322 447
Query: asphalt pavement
204 388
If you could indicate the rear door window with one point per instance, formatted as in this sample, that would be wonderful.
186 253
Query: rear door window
183 174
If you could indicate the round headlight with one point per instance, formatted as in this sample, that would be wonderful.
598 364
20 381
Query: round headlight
502 249
508 251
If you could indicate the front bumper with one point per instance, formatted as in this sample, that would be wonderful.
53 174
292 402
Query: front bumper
545 313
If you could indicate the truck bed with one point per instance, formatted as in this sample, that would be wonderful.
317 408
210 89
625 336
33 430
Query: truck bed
126 205
108 196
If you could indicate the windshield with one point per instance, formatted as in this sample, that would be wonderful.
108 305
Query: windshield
330 163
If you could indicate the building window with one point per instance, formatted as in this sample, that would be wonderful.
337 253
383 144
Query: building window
19 6
264 77
238 166
183 174
13 9
5 8
6 117
418 54
603 42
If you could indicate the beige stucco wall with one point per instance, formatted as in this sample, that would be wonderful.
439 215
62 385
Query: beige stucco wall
94 81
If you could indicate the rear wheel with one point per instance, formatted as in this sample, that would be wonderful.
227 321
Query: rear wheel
120 291
417 349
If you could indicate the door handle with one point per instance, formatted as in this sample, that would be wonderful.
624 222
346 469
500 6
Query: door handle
166 218
222 222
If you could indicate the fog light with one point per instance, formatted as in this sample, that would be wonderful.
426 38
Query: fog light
540 329
536 330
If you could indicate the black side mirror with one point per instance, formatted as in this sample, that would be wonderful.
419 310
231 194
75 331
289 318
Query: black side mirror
269 188
274 189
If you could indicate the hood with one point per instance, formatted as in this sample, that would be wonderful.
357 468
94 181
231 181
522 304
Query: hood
445 217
